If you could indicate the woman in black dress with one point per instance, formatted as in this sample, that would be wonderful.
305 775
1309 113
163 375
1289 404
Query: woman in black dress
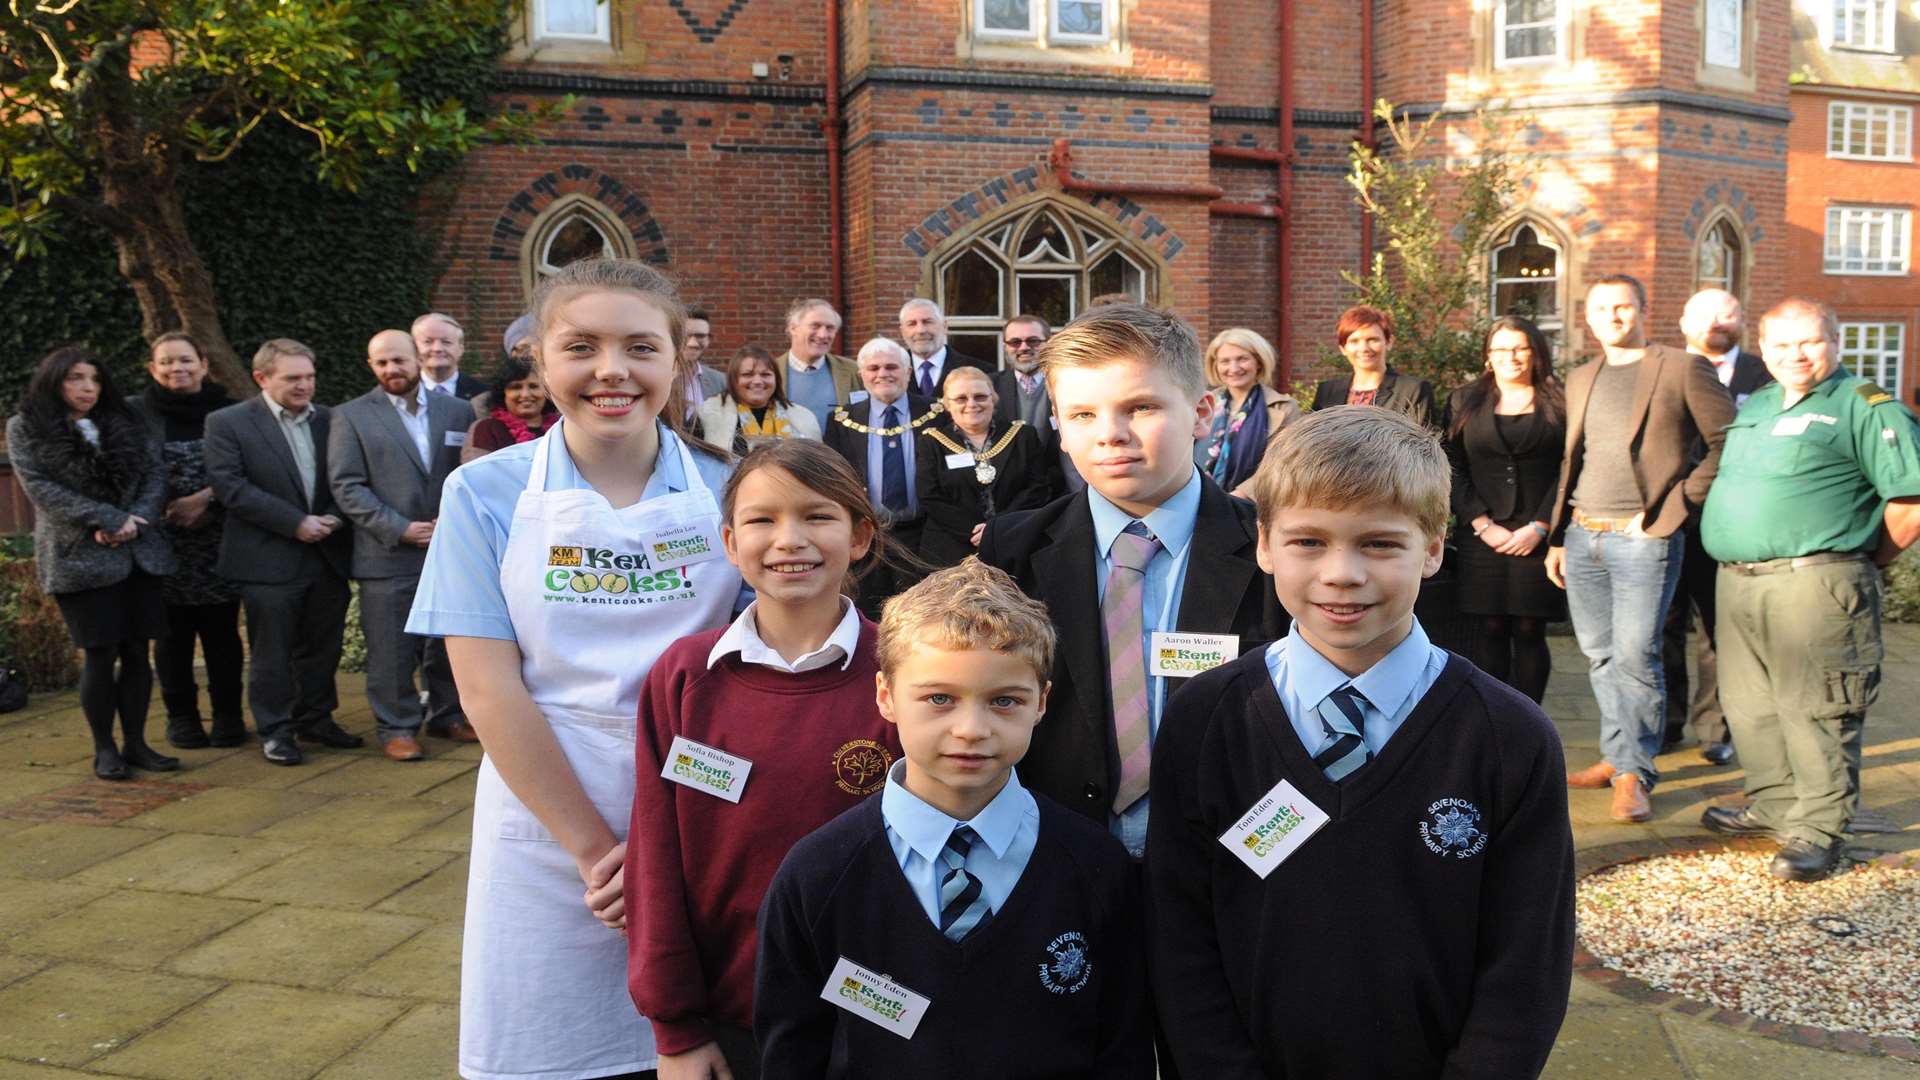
1505 435
93 473
971 468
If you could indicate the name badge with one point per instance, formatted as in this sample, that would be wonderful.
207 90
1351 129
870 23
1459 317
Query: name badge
874 998
960 461
704 769
684 545
456 438
1183 656
1278 824
1792 425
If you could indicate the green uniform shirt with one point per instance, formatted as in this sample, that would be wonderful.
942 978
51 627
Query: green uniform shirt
1811 478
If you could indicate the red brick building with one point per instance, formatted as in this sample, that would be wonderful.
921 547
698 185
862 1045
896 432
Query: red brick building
708 136
1853 186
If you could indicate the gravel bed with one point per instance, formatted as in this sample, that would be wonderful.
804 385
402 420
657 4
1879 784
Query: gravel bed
1841 954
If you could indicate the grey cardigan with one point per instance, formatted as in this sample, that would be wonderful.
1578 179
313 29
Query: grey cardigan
76 489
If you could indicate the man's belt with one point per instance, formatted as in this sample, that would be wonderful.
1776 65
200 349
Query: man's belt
1782 566
1600 524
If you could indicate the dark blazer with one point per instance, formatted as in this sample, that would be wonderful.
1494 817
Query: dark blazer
952 360
852 444
1509 482
465 386
1749 374
1401 393
1006 383
1023 480
252 472
1049 553
1676 399
381 484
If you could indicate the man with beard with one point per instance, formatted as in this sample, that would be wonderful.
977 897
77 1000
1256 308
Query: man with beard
1023 393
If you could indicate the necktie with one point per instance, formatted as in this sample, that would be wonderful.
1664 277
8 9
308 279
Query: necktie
442 389
1341 718
1122 613
1026 383
927 389
893 465
962 906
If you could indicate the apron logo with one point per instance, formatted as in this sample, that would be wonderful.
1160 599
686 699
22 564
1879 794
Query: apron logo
578 586
685 549
563 556
1066 968
860 767
597 558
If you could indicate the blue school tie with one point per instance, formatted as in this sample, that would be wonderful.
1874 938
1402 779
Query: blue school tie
962 907
893 465
1342 716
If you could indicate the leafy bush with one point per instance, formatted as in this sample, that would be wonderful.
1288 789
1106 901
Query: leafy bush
1900 598
33 636
353 643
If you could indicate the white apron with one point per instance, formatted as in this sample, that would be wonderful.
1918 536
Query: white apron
543 984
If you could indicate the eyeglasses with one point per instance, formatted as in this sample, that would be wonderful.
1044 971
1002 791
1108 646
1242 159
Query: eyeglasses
1029 342
1503 353
971 399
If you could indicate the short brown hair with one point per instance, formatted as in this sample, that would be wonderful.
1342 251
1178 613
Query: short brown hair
1360 315
1117 332
175 335
969 606
270 352
1801 305
1362 455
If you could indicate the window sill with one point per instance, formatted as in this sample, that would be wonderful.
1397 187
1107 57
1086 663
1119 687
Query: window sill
1109 54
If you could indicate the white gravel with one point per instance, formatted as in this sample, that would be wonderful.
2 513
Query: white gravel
1842 954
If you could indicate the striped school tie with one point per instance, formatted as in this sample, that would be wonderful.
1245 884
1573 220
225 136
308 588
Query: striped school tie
1341 717
1123 615
962 907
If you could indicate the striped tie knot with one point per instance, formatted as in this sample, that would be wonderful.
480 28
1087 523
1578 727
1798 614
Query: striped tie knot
1342 719
1134 548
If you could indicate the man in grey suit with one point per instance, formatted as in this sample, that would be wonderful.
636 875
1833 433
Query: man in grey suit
287 546
1023 390
389 453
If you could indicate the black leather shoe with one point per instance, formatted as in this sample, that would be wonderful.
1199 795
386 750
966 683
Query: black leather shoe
185 733
227 733
1717 753
146 757
1741 822
328 733
109 765
1800 860
282 750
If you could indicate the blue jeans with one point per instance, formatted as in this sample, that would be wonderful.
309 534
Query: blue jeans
1618 590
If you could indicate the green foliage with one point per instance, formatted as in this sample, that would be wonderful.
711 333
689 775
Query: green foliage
1436 215
1900 595
33 636
353 642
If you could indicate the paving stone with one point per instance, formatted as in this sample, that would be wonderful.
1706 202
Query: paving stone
130 929
441 895
1604 1042
14 968
244 767
378 776
427 967
256 1032
457 791
422 1044
453 834
101 802
1712 1052
226 811
56 850
19 1070
68 751
338 877
359 820
186 862
73 1013
299 946
19 783
25 904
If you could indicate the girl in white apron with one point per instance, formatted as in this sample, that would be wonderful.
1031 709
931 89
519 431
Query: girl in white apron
560 570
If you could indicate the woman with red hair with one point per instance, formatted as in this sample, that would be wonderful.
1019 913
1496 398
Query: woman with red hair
1365 334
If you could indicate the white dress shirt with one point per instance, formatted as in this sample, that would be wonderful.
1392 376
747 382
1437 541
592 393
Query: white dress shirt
743 637
416 422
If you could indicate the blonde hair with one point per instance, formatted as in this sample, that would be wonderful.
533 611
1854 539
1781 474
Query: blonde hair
270 352
1118 332
1360 456
1240 338
969 606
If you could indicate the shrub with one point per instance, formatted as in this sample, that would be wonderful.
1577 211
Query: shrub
353 643
1900 596
33 636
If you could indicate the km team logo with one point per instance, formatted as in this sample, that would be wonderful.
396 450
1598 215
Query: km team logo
595 575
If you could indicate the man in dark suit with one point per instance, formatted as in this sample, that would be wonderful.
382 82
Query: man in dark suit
1712 323
389 453
440 343
875 433
288 547
1629 487
1023 390
923 329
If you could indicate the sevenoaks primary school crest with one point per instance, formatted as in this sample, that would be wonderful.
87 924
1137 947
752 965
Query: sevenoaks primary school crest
1453 828
1066 968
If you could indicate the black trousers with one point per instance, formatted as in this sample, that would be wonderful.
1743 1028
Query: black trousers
882 583
1694 597
293 636
217 627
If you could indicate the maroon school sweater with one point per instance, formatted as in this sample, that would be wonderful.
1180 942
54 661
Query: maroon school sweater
697 865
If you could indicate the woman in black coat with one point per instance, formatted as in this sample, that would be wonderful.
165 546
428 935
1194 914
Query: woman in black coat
1365 336
1505 436
92 471
970 468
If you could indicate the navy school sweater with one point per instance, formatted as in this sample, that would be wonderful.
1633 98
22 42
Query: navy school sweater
1054 986
1425 930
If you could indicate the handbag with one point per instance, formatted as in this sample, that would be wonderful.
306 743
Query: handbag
13 690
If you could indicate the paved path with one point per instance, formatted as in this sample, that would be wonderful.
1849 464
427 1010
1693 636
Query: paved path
239 919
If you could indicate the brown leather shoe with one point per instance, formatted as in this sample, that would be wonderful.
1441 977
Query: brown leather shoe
456 731
1597 775
1630 800
403 748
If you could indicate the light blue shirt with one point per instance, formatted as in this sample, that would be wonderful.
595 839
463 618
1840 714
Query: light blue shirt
1303 679
459 593
1008 827
1172 523
877 452
812 389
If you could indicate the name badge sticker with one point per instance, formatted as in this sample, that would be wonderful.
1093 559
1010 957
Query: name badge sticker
684 545
1278 824
1182 656
456 438
962 460
704 769
1791 425
874 998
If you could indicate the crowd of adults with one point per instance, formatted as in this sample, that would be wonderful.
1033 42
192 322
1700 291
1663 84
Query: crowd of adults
1653 487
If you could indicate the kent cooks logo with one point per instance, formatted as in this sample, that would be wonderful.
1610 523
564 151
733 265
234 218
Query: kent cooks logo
1453 828
1267 835
860 767
672 550
596 575
872 1000
1194 660
1066 968
709 776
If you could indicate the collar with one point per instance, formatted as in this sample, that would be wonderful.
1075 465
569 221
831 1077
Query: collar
281 414
926 829
668 476
876 409
1171 521
1386 684
743 637
419 396
428 382
1822 389
1723 358
798 364
938 360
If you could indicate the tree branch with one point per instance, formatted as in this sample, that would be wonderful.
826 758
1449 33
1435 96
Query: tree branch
97 212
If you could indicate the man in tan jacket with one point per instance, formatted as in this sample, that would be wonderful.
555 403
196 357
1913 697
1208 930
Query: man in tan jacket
1628 489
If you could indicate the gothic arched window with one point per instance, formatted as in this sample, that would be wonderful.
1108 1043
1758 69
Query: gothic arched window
1721 259
1526 274
573 228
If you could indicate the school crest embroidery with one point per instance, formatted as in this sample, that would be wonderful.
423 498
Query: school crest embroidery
860 767
1453 829
1066 968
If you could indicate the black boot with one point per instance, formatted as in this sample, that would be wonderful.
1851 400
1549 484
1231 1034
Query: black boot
136 751
227 730
183 718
